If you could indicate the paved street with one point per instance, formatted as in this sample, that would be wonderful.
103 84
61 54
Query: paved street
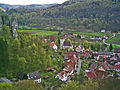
79 67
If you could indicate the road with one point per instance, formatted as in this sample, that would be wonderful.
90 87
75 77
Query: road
114 35
79 67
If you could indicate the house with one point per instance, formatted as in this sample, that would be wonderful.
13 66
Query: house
118 32
70 55
51 69
104 53
97 38
67 45
62 76
71 60
118 54
5 80
80 49
44 40
82 36
93 66
52 38
85 55
54 46
69 69
116 50
94 74
105 37
65 35
91 74
98 70
34 76
102 31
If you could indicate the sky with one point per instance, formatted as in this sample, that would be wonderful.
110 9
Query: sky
28 2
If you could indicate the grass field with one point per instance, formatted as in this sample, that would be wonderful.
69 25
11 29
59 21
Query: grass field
115 40
36 31
41 32
93 34
27 28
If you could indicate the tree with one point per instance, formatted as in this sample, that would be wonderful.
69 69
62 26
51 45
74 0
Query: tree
110 47
58 42
73 85
4 54
85 43
92 47
6 31
21 62
26 85
5 86
109 84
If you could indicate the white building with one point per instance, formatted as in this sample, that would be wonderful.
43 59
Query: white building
102 31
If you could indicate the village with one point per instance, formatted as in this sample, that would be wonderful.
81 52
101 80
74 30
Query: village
100 63
102 60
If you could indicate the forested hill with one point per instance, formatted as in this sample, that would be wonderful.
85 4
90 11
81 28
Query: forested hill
75 15
26 7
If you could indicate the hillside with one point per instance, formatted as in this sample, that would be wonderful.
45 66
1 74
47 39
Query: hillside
27 7
77 15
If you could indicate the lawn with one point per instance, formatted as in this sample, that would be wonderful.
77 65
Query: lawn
114 40
27 27
41 32
93 34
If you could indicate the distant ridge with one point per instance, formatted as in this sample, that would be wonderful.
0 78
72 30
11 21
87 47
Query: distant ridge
31 6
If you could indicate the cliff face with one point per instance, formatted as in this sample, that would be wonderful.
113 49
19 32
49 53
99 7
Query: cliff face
0 23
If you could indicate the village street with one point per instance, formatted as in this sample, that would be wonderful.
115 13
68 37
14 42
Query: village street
114 35
79 67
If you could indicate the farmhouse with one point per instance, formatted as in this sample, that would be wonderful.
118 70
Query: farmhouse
80 49
67 45
102 31
34 76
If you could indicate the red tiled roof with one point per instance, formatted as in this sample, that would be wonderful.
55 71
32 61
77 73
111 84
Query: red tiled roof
52 38
118 54
62 73
52 44
104 57
93 66
91 74
70 63
75 59
100 74
70 54
116 67
96 73
68 68
87 50
84 54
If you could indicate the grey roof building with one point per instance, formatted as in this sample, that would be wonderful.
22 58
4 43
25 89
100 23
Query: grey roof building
4 79
35 76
